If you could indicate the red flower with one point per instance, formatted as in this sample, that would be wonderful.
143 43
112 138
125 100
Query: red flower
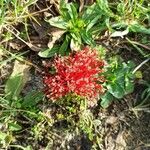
77 73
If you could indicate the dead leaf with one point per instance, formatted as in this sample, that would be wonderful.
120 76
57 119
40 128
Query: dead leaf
109 143
56 4
89 2
56 34
1 54
85 3
41 27
16 44
120 142
17 80
111 120
81 5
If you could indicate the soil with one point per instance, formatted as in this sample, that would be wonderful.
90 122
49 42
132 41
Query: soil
121 127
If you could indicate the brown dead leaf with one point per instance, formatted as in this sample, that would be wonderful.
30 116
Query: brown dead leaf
120 141
56 4
1 54
81 5
37 44
109 143
111 120
41 27
21 68
16 44
56 35
85 3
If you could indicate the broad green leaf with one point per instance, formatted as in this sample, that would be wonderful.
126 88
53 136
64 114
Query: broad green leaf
58 22
32 98
106 99
17 80
130 65
49 52
121 81
116 90
14 127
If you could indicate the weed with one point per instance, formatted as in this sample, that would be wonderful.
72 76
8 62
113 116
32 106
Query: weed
119 80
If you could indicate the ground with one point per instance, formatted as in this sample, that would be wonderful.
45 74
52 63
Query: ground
30 121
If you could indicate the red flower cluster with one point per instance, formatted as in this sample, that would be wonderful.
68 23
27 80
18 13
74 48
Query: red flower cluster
77 73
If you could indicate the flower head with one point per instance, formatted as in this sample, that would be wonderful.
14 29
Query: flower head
77 73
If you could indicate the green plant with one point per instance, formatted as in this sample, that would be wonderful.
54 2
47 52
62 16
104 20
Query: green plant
13 105
74 115
78 28
143 103
132 15
14 11
119 80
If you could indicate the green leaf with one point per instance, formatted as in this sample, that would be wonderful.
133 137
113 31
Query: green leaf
90 13
14 127
49 52
139 28
87 38
17 80
76 37
72 10
64 46
58 22
116 90
2 135
13 86
104 7
106 99
64 11
32 98
121 81
93 22
8 139
129 86
121 8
